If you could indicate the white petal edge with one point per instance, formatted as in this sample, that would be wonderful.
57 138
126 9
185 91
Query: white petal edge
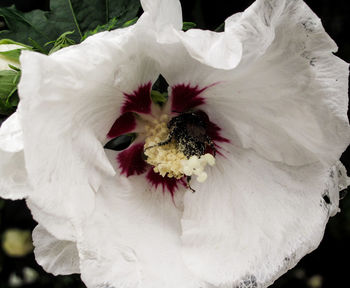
11 134
69 101
287 99
53 224
133 237
163 13
13 175
59 257
295 56
256 219
218 50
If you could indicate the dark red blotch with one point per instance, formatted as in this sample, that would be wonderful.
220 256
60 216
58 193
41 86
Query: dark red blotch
139 100
124 124
131 160
171 184
185 97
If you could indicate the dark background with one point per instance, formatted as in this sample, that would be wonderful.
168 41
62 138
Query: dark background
322 268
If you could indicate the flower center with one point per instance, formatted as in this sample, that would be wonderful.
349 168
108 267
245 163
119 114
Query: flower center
176 148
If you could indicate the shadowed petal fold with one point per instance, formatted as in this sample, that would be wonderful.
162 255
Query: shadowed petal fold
287 98
257 219
270 99
163 14
70 100
59 257
133 238
284 110
14 182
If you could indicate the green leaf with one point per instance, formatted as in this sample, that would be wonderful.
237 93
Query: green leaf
61 42
107 27
188 25
130 22
9 41
112 24
36 46
8 91
220 28
64 15
12 55
14 68
41 26
63 39
7 81
123 10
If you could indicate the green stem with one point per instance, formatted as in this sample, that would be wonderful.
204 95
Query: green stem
220 28
74 18
107 11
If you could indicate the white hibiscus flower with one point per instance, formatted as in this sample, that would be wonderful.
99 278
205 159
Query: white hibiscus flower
266 98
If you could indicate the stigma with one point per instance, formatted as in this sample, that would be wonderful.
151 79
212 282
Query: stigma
167 150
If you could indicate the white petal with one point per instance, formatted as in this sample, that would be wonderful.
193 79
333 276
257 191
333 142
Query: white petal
11 135
133 238
268 21
163 13
289 94
253 220
55 225
160 20
59 257
219 50
69 102
288 97
13 175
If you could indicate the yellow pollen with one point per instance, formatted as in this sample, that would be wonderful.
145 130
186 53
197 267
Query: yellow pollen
167 159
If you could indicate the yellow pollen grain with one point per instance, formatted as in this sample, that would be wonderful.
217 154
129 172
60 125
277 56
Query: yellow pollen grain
167 159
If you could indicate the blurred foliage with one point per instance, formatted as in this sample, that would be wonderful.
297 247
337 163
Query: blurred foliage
61 42
110 25
8 91
15 214
322 268
79 16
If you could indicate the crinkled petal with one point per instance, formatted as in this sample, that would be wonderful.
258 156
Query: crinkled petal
69 102
218 50
267 21
133 238
255 219
287 99
13 175
11 135
159 22
293 84
59 257
53 224
163 13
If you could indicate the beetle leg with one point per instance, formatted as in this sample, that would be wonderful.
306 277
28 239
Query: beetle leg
211 144
160 144
188 180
